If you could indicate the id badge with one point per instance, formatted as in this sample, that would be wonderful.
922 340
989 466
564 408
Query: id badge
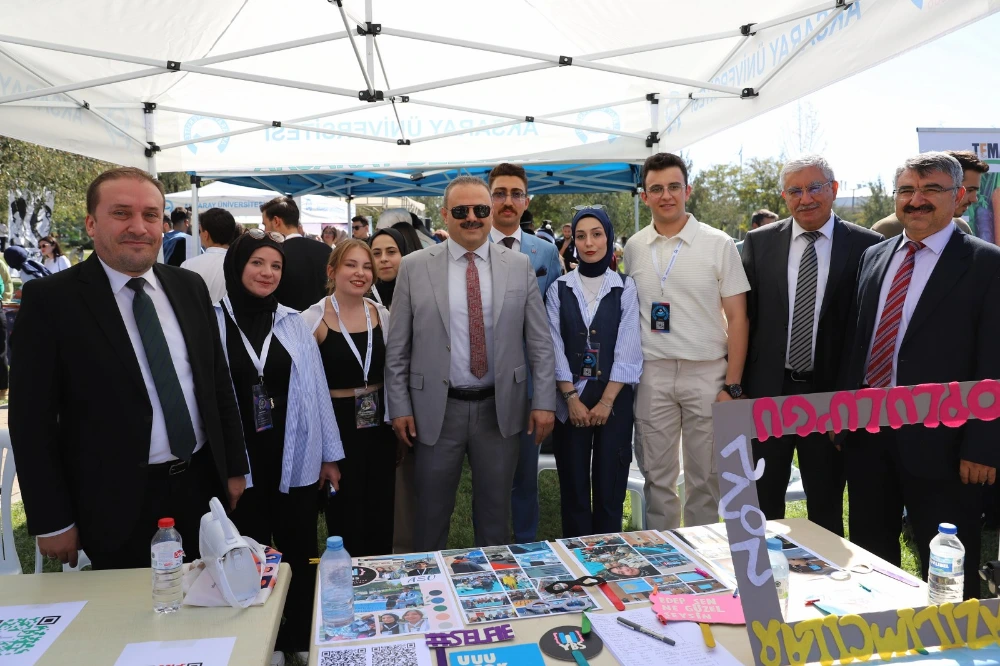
659 318
366 408
261 408
591 362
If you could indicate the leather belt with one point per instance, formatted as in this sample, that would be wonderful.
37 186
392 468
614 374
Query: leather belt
173 467
800 377
472 395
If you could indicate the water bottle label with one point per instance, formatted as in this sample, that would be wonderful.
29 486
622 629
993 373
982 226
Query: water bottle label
947 566
782 588
167 555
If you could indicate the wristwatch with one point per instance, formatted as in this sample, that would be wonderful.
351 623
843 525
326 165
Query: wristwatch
735 391
568 394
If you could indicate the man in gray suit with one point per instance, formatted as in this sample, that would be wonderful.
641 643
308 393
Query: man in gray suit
465 392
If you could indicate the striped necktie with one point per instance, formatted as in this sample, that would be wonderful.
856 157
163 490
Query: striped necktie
879 372
800 345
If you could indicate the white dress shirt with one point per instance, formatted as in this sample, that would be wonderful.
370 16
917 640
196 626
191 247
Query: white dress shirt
56 264
924 262
159 444
209 266
496 235
458 305
824 248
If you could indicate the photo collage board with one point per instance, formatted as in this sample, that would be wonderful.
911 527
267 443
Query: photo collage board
499 583
636 563
395 595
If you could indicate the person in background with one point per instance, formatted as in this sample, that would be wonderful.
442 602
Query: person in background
388 248
4 231
509 191
415 622
340 237
292 441
359 227
567 250
303 281
426 239
757 220
218 230
692 305
350 331
400 220
440 235
594 319
175 242
329 235
52 255
168 226
8 283
527 222
28 269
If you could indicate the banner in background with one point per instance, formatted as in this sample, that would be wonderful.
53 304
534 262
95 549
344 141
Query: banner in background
985 143
30 216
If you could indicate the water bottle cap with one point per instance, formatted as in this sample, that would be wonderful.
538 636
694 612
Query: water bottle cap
947 528
334 543
165 523
774 544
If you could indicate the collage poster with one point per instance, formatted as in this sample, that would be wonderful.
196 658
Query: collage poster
394 595
636 563
508 582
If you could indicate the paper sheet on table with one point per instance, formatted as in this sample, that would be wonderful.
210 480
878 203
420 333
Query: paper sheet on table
204 652
408 653
26 632
634 649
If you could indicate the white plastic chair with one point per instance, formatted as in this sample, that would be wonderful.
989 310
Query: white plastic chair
81 561
9 562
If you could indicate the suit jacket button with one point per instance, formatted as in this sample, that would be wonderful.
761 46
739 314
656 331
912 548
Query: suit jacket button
448 347
598 373
444 381
593 331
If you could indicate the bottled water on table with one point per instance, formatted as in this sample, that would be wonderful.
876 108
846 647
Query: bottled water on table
336 588
779 567
946 573
166 556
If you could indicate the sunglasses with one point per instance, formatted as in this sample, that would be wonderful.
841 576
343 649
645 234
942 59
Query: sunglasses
588 206
575 585
260 234
42 246
462 212
357 226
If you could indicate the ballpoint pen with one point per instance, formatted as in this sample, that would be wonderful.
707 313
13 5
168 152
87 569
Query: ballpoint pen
643 630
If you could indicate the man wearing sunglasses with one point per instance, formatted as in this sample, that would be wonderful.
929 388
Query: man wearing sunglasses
359 227
479 329
509 191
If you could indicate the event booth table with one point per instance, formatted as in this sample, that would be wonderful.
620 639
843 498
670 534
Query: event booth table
838 551
119 611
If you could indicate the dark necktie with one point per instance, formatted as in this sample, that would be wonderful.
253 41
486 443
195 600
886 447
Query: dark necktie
804 309
477 330
176 416
508 241
879 373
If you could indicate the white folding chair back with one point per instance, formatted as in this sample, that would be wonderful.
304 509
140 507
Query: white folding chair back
9 563
81 561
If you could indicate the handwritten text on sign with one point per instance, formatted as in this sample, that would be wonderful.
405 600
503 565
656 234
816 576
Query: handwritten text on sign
712 609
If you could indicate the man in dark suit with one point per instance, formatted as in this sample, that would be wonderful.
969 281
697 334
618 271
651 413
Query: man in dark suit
303 282
927 310
126 412
802 274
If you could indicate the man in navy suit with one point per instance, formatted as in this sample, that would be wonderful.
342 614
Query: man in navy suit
509 188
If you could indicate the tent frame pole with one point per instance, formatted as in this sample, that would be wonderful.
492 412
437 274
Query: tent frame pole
635 202
654 117
194 248
354 46
820 27
736 47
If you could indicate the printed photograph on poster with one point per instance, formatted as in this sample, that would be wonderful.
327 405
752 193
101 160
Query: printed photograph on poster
395 595
636 563
30 217
26 632
983 214
507 582
711 543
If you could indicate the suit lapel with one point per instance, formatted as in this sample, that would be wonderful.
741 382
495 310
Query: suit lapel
103 305
950 267
437 268
499 268
838 261
873 286
779 264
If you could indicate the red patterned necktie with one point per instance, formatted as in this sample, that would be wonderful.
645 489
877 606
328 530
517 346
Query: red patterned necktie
879 374
477 331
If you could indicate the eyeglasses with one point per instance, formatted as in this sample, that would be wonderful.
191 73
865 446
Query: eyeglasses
657 190
357 227
587 206
566 585
260 234
517 196
814 189
462 212
906 192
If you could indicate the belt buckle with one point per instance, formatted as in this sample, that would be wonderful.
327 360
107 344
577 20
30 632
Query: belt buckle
177 468
797 377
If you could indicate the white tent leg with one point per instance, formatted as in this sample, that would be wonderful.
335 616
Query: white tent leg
654 117
194 248
369 52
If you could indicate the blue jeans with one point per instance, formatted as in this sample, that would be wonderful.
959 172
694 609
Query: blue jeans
524 495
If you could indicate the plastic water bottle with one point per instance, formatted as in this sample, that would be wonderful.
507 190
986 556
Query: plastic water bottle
946 573
166 557
336 589
779 567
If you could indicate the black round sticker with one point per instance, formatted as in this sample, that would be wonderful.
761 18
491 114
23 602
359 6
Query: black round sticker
362 576
559 643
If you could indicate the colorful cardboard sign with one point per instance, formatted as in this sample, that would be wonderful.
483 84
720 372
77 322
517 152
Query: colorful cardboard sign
709 608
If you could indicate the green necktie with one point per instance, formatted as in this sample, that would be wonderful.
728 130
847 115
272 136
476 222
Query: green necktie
176 416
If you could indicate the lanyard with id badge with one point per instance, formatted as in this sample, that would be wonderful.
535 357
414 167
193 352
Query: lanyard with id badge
591 356
262 403
365 401
659 314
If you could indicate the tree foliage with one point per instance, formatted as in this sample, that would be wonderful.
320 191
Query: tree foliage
880 204
725 196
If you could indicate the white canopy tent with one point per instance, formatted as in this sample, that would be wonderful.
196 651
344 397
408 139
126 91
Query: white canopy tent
253 87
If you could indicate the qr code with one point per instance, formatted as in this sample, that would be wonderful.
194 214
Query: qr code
400 654
19 635
348 657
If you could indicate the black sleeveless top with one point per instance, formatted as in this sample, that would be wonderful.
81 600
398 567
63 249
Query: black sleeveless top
341 366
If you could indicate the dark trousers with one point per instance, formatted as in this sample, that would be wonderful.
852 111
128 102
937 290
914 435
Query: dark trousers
880 486
593 466
524 493
821 465
183 497
362 510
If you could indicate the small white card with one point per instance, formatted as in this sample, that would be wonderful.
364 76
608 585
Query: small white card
410 653
26 632
203 651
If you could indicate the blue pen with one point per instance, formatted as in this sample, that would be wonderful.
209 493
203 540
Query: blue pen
866 589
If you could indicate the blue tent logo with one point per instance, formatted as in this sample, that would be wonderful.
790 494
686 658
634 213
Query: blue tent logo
198 126
605 117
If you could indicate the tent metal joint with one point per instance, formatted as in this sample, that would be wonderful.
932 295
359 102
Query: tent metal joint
404 98
371 95
653 98
654 137
148 107
402 142
275 123
153 148
174 65
196 180
748 93
565 61
529 119
747 30
85 104
370 28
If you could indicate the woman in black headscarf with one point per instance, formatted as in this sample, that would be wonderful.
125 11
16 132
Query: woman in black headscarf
389 248
291 433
